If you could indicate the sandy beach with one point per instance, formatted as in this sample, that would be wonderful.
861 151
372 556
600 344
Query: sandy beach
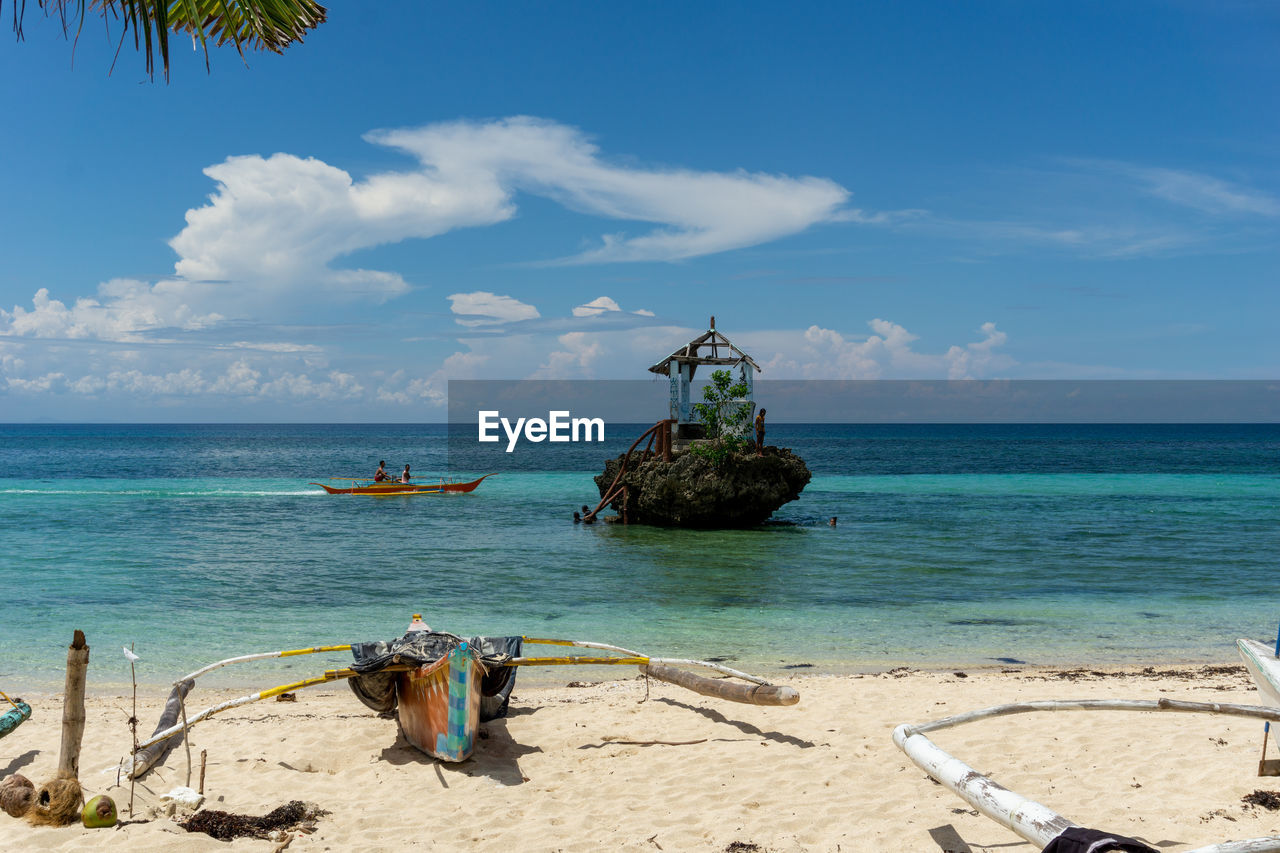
630 765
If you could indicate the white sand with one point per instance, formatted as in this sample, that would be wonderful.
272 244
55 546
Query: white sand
595 768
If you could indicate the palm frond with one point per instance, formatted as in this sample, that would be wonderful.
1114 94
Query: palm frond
256 24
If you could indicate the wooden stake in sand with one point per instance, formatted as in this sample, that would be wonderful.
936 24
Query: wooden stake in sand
58 801
133 721
73 707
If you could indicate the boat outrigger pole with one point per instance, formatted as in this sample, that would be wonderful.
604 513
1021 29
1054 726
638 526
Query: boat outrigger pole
310 650
329 675
664 669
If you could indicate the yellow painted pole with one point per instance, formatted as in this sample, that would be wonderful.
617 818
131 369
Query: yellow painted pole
575 661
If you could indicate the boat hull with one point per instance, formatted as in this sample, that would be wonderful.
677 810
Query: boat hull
393 488
1264 667
463 487
380 489
438 705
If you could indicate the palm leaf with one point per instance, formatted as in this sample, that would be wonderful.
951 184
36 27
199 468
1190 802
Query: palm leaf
257 24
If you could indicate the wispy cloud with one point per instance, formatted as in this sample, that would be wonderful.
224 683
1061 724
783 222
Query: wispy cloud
1195 190
1112 239
237 380
697 212
1107 209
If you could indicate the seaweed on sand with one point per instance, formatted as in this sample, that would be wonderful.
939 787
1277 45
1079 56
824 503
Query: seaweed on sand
225 826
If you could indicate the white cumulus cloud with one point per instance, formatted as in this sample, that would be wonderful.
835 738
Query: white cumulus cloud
604 305
124 308
976 359
578 356
890 352
283 219
484 308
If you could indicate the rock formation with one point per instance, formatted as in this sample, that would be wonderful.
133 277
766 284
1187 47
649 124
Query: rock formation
690 491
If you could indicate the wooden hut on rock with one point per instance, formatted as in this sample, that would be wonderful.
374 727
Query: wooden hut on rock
711 348
692 489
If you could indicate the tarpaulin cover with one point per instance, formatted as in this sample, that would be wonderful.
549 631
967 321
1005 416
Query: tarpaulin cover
376 687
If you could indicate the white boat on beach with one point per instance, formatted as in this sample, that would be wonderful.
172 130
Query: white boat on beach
1029 819
1263 665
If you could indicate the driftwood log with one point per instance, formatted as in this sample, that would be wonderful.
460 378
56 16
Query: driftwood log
749 694
73 707
147 757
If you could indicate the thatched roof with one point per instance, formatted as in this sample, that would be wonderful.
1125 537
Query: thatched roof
711 348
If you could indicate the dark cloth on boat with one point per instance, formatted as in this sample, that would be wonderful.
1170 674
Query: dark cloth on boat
376 687
1078 839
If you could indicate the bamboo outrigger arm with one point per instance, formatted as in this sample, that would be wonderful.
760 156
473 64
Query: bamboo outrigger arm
329 675
142 762
311 650
1033 821
663 669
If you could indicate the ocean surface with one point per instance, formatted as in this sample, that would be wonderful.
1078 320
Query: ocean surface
957 546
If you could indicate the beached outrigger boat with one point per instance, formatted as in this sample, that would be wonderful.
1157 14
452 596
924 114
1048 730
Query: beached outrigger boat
391 487
442 686
1037 823
1264 667
1263 664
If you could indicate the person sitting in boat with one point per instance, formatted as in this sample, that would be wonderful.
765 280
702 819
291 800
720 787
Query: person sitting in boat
404 478
381 474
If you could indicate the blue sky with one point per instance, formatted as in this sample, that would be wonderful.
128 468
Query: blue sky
422 192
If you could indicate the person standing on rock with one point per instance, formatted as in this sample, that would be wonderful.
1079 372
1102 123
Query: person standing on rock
760 433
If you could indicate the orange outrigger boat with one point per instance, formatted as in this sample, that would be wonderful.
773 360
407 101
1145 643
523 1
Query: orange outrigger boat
392 487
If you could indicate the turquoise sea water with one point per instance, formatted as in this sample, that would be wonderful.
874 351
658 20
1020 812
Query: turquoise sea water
956 546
